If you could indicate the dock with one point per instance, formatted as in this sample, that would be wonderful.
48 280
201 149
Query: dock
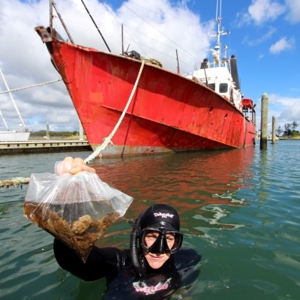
44 146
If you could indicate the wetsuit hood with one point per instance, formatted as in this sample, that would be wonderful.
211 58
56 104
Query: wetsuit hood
159 217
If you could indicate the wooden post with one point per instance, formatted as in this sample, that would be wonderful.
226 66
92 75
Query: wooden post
273 130
47 131
80 131
264 121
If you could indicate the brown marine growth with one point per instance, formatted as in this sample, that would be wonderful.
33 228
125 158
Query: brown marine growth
80 234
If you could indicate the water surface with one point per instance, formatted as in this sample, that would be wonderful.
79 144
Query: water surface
239 210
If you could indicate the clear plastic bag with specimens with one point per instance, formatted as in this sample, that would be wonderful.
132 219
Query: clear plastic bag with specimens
77 209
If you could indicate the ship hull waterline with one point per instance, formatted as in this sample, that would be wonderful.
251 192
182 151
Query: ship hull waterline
168 113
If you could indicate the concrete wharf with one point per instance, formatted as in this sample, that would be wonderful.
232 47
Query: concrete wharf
44 146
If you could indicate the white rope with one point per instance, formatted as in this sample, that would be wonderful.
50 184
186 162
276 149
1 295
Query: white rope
29 86
107 140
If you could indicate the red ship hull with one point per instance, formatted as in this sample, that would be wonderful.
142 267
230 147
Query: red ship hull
168 112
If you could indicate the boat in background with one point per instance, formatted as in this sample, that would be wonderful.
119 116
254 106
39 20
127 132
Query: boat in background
156 110
14 136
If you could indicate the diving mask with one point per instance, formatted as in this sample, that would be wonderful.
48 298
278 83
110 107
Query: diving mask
161 238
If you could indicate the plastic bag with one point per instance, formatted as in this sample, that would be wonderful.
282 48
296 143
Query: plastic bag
77 209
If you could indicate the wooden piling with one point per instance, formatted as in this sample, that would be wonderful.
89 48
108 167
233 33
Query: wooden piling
264 121
47 132
273 130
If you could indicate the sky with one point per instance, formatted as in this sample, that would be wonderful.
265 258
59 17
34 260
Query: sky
264 37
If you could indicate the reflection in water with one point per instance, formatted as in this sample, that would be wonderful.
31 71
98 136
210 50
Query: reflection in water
197 184
263 174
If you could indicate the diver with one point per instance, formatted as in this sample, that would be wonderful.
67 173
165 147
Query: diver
154 267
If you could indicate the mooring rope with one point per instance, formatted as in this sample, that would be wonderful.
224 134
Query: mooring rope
18 181
107 140
29 86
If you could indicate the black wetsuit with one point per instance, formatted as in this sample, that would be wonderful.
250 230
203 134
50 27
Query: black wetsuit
115 265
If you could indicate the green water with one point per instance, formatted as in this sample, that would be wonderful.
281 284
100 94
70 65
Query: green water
239 209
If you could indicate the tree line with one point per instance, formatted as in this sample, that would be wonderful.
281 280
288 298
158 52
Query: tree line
288 130
62 134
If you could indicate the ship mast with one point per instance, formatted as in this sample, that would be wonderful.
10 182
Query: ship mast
220 32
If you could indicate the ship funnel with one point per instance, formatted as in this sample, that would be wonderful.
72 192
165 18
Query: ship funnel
204 64
234 71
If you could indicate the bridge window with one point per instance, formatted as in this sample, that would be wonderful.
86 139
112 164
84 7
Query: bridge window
223 87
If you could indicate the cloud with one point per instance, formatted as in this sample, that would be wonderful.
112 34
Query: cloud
285 109
293 14
262 11
260 56
151 28
261 39
282 45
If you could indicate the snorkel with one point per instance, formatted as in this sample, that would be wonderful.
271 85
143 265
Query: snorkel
138 261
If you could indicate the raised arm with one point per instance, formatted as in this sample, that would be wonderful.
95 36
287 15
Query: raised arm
101 262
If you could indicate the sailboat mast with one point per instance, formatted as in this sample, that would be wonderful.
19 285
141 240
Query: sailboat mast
3 120
13 101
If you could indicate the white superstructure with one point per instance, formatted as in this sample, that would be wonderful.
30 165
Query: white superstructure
221 73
